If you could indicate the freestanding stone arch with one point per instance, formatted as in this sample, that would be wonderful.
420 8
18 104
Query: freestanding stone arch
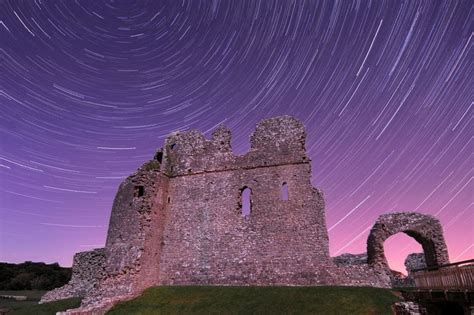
425 229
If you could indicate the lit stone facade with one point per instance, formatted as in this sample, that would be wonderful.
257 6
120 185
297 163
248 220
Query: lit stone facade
179 220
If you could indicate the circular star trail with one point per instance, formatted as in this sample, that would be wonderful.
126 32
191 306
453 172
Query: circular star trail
89 90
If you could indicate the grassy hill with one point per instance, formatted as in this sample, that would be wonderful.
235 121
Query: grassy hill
229 300
259 300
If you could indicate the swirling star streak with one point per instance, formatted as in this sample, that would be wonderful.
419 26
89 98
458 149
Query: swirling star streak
90 88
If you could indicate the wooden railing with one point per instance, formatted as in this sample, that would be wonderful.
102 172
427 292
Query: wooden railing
456 276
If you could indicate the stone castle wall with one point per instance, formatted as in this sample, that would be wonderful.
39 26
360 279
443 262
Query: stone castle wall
208 240
179 220
134 239
87 270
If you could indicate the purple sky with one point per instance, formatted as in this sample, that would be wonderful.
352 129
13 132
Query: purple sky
89 90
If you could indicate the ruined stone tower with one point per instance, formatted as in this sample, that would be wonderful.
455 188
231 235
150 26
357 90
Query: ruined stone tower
209 240
180 219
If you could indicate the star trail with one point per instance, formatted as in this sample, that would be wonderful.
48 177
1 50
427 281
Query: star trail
90 89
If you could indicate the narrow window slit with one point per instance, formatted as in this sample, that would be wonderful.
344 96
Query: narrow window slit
246 202
284 191
159 156
139 191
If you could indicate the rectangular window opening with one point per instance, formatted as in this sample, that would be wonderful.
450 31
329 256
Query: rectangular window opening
245 201
284 195
139 191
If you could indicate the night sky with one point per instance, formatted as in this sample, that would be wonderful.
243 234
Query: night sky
90 89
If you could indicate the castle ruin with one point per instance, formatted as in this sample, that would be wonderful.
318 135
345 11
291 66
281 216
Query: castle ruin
198 214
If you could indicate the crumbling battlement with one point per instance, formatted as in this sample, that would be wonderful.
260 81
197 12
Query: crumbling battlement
87 270
276 141
199 215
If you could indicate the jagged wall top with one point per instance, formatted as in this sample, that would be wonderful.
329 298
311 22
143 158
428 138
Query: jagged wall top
275 141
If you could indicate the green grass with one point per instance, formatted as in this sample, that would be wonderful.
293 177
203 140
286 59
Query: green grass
32 298
47 308
30 306
259 300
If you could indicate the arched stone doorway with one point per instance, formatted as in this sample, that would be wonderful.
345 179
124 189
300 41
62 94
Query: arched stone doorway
425 229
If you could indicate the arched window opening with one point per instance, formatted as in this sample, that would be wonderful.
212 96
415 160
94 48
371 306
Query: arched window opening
246 202
284 191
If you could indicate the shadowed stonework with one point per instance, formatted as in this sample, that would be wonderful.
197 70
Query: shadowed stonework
198 214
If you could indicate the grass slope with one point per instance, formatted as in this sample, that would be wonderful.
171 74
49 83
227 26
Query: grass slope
30 306
259 300
47 308
32 298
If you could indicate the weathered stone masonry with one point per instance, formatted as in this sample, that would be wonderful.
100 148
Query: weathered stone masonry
178 220
87 267
210 241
